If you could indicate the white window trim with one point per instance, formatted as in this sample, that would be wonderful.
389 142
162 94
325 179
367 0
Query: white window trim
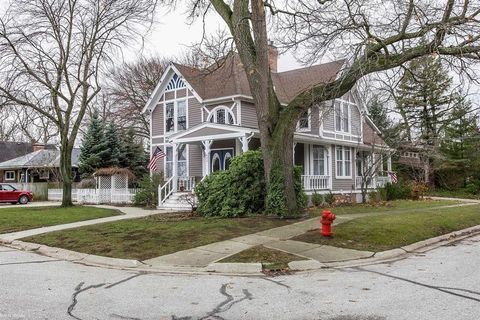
344 177
325 160
175 115
349 115
309 128
213 113
14 175
187 157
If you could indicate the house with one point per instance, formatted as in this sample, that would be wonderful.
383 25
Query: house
203 118
40 165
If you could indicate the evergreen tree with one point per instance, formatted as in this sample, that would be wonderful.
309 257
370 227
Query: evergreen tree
132 154
461 144
113 143
425 99
94 150
379 115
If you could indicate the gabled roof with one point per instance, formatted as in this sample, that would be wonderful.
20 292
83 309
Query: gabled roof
46 158
227 78
208 130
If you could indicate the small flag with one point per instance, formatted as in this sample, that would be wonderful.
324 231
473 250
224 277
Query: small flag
393 176
157 155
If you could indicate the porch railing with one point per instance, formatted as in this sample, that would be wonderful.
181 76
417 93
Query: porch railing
165 191
373 182
315 182
186 183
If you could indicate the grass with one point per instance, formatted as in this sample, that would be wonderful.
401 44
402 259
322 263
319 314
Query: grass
384 232
154 236
460 193
24 218
270 259
391 207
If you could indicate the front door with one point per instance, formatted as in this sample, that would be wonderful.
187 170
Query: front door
220 159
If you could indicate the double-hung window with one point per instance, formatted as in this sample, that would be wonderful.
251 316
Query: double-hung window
343 162
176 116
9 175
342 116
169 162
318 160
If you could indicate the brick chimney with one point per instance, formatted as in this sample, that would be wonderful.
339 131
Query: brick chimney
38 146
272 56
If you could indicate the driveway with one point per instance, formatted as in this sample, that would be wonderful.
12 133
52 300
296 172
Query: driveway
440 284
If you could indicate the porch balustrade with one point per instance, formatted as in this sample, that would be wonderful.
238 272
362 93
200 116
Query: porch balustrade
315 182
373 182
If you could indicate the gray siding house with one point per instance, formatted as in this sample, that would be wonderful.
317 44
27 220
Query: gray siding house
203 118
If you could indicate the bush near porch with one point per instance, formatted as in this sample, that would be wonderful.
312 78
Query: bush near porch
240 190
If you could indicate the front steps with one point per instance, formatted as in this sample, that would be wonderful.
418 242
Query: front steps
174 202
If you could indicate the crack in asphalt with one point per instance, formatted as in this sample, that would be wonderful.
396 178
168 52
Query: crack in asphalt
125 280
118 316
278 283
439 288
78 290
28 262
227 304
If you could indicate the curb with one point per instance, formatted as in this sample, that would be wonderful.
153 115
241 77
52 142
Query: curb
240 269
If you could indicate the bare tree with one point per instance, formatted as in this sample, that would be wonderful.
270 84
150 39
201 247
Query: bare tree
52 53
377 35
130 86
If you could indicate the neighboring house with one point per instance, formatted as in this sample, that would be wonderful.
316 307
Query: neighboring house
203 118
40 165
417 157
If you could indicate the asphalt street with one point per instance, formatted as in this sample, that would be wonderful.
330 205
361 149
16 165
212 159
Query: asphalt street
441 284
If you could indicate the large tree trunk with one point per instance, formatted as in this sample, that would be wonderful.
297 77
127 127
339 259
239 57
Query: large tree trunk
66 171
277 149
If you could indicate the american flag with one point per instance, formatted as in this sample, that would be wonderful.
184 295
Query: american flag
393 176
157 155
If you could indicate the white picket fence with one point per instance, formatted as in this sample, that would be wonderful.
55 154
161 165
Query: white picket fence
95 196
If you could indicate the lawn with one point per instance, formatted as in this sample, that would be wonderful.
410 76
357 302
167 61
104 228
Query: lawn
460 193
384 232
24 218
154 236
390 207
269 258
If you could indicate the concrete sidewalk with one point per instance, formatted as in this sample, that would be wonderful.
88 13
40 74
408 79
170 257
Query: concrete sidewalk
278 239
128 213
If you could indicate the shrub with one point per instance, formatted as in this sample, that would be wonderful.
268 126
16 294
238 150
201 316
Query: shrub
330 198
397 191
238 191
147 193
472 188
241 190
418 190
317 199
382 194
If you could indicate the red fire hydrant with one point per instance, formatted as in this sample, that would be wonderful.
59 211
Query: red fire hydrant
326 221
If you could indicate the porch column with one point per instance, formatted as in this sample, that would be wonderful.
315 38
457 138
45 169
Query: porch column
293 152
175 165
206 156
244 140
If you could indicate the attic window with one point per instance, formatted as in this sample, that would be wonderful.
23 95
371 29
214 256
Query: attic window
175 83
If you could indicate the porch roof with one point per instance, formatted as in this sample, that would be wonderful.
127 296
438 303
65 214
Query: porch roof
210 131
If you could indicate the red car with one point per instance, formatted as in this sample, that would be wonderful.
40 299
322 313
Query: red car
10 194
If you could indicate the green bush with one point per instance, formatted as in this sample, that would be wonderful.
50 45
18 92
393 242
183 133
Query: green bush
238 191
330 198
317 199
147 193
472 188
397 191
241 190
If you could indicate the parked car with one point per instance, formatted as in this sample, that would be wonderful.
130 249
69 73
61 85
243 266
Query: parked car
9 193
